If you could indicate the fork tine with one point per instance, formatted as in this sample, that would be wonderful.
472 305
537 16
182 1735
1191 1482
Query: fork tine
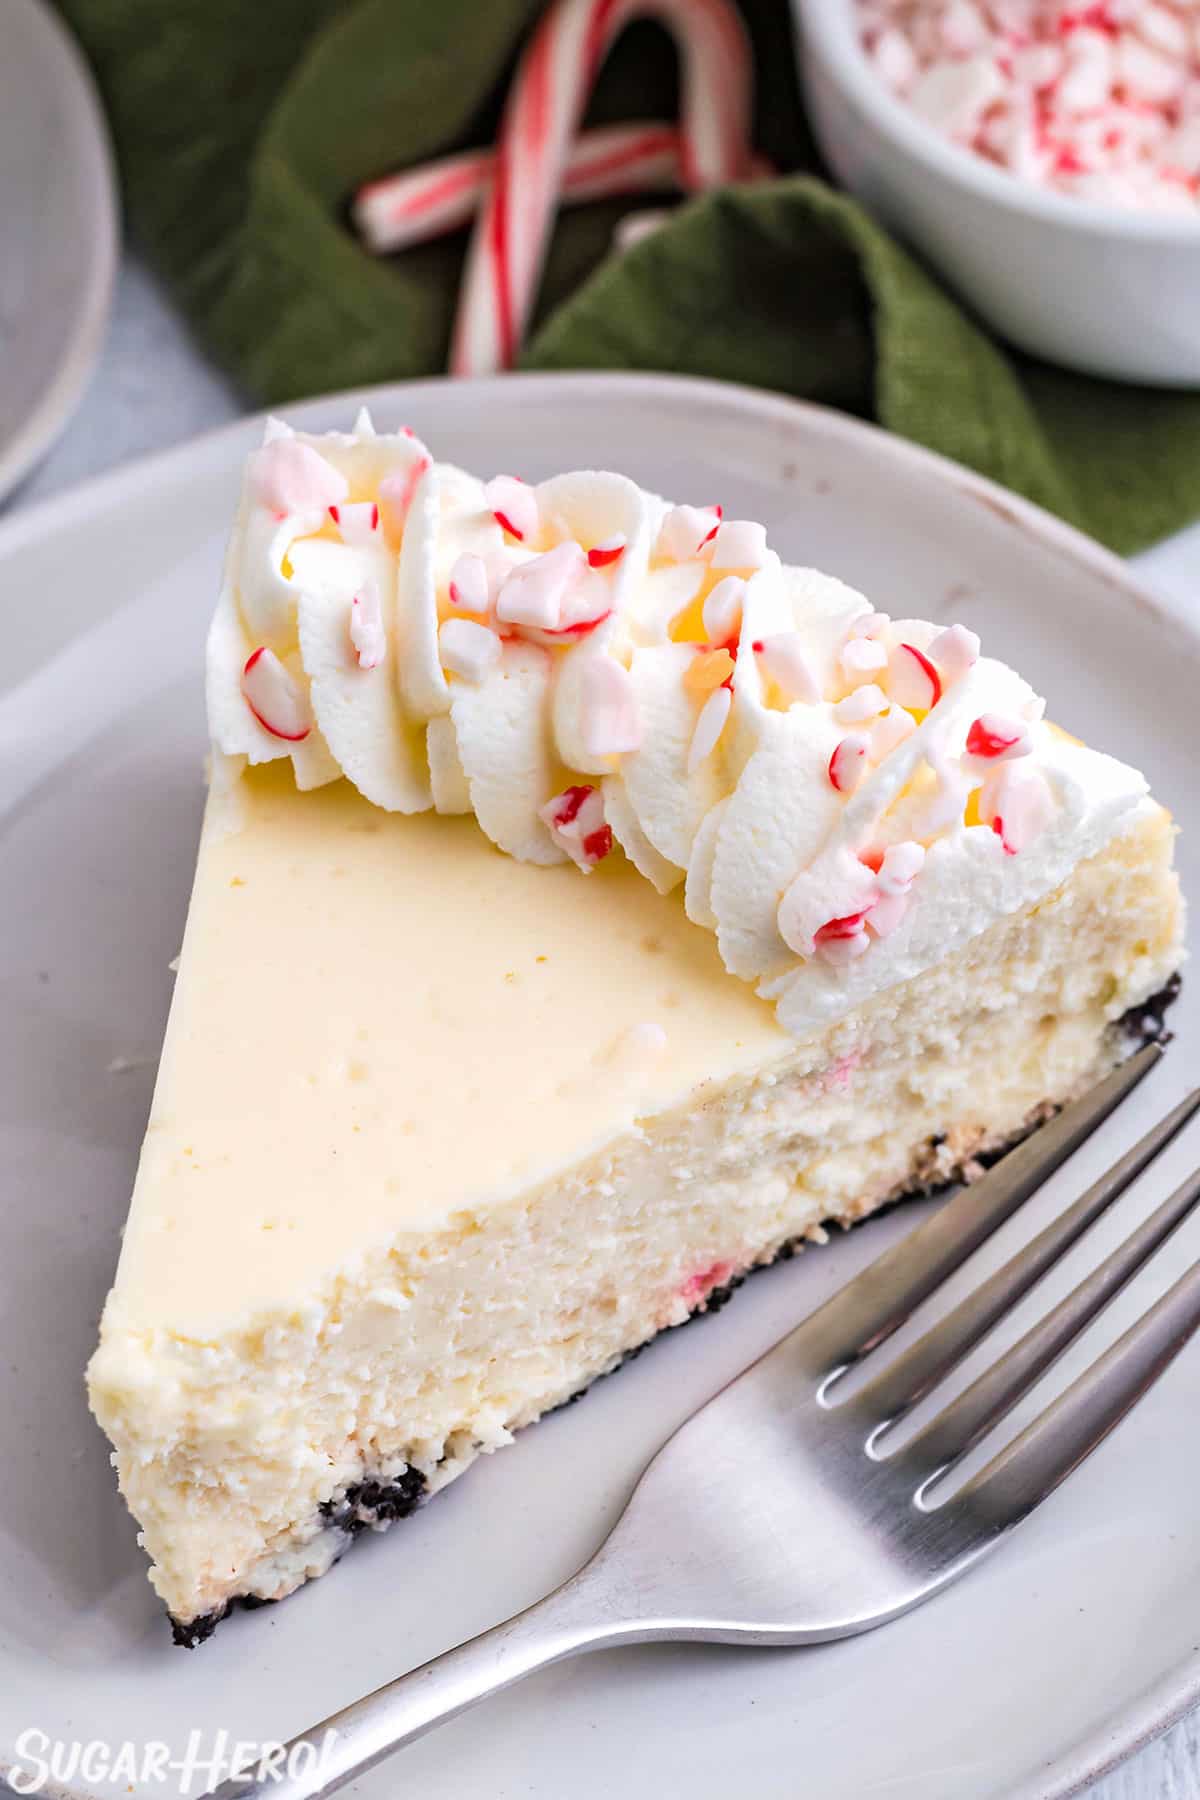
879 1300
961 1424
1045 1453
911 1377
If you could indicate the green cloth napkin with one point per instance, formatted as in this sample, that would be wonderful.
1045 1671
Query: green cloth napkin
243 130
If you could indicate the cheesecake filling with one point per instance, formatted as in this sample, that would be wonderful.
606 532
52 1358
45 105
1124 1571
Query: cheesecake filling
842 798
254 1376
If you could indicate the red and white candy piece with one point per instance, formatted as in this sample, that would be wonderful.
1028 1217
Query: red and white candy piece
603 555
610 724
862 659
357 521
536 593
722 610
738 544
468 649
843 940
869 625
289 477
709 726
396 493
275 697
995 737
848 764
889 731
954 652
575 819
514 504
366 626
898 868
468 587
685 530
1017 803
913 682
864 704
783 660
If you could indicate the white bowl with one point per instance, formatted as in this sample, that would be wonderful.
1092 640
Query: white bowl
1108 291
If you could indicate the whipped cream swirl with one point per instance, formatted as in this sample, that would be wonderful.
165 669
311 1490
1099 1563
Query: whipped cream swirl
844 799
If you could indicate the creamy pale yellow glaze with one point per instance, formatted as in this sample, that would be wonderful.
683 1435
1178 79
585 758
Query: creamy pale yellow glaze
381 1022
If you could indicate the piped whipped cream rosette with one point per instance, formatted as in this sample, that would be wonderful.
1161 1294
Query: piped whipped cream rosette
842 798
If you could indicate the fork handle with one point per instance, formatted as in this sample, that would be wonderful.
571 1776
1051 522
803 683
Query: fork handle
566 1622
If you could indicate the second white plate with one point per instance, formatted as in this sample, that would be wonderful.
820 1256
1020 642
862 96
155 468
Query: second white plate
58 233
1026 1678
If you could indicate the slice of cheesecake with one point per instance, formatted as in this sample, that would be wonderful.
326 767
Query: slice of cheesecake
759 910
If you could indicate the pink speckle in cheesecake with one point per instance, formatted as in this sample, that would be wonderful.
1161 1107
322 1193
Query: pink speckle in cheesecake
699 1286
838 1078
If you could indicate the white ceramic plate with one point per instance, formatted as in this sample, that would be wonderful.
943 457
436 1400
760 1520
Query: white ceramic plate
58 232
1028 1677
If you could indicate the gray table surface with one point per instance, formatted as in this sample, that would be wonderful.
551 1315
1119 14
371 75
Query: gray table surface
153 388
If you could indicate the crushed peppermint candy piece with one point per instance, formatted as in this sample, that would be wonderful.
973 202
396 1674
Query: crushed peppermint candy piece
709 726
357 521
889 731
396 493
366 626
895 871
784 661
888 912
1097 100
864 703
955 652
738 544
830 899
722 612
275 697
468 649
843 940
684 530
862 658
899 866
913 682
575 820
610 724
708 669
602 556
289 477
514 505
1017 803
468 587
848 764
993 737
536 591
870 625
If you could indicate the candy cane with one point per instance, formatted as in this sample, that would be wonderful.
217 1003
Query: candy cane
427 202
541 121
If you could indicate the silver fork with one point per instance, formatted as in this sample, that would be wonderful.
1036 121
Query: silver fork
832 1534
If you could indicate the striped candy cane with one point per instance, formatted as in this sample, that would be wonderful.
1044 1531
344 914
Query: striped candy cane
542 120
428 202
